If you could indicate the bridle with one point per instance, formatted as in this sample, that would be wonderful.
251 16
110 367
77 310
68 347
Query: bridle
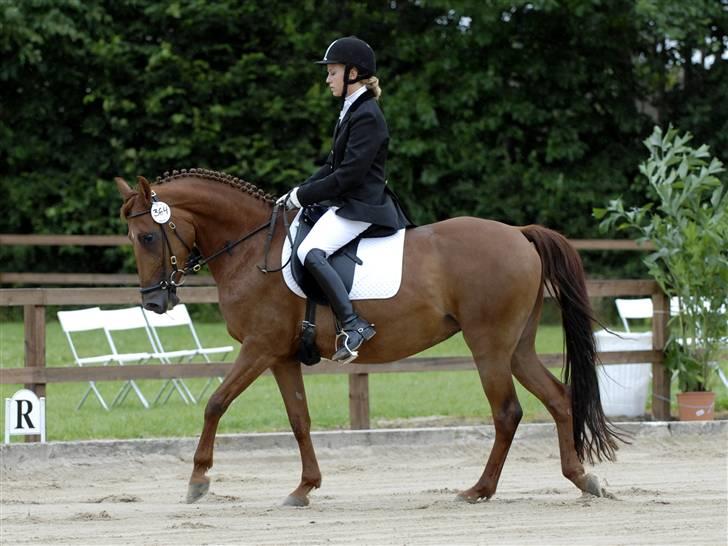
196 260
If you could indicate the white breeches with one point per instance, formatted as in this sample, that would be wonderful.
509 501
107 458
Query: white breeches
330 233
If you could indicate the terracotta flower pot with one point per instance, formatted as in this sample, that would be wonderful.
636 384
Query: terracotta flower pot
696 406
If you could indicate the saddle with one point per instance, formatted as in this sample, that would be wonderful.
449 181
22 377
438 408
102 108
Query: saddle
343 260
370 281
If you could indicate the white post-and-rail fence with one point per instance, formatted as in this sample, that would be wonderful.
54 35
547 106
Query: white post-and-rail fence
35 375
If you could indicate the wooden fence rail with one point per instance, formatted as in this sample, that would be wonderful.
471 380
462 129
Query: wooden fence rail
211 369
18 239
13 239
89 279
35 375
121 279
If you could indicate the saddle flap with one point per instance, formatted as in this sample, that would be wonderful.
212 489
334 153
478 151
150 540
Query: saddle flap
377 273
343 261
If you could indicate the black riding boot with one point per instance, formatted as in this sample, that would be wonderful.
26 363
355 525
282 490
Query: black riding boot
354 329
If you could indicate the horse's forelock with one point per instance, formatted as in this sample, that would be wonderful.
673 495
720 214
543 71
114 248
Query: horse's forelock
126 207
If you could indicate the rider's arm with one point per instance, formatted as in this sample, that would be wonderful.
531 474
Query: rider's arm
367 134
325 169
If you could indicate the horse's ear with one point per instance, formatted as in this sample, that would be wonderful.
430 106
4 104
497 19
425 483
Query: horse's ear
145 188
124 189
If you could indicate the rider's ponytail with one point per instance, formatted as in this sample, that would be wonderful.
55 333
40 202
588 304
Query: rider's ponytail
372 84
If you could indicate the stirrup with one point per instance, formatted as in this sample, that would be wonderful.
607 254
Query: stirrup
350 353
353 353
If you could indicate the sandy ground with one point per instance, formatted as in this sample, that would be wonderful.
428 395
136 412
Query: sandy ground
669 489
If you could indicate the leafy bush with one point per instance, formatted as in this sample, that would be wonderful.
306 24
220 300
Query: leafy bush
688 224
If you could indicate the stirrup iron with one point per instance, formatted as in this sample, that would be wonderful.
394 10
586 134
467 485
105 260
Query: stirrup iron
345 345
366 332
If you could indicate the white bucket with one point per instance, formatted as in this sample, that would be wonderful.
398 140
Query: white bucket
623 387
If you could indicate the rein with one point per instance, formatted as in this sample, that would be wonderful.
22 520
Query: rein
286 226
196 260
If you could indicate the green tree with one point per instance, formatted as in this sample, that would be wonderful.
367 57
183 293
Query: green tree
518 111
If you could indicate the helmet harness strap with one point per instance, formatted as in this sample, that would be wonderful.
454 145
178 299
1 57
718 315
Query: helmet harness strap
347 81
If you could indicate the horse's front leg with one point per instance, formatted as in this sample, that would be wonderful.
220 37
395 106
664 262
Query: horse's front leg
290 382
250 363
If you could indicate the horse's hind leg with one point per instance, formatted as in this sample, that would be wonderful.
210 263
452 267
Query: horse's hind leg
534 376
290 382
249 364
495 375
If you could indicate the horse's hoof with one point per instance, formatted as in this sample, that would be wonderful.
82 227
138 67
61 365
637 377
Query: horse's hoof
292 500
592 486
196 491
466 497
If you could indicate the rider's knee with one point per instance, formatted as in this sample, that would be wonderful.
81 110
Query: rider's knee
312 256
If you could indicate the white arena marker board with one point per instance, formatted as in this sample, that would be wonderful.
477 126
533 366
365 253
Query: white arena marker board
24 415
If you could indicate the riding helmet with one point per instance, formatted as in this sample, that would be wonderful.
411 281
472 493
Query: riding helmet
354 52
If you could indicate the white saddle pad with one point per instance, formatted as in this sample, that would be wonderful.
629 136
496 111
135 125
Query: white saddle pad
379 276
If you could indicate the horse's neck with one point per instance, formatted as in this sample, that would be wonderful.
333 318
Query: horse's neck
222 214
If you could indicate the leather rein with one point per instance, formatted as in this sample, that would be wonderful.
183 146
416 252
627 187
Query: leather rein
196 260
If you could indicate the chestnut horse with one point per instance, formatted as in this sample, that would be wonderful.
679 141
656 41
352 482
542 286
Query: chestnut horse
480 277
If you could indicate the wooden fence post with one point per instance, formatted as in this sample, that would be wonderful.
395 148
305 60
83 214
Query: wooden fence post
359 401
35 348
660 374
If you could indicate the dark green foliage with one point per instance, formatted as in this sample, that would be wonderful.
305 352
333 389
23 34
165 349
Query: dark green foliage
521 112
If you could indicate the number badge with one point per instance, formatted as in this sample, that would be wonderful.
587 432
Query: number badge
161 212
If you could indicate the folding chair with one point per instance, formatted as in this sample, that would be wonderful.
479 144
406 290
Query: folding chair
153 320
180 317
633 309
84 320
115 320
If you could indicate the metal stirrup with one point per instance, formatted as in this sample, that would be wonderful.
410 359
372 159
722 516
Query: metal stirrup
345 345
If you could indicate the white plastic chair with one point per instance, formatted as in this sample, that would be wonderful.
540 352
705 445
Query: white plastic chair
85 320
629 309
179 317
131 318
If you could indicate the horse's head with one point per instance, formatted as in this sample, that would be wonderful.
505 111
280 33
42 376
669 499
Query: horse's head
162 238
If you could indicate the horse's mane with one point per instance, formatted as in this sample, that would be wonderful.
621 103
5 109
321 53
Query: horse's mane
216 176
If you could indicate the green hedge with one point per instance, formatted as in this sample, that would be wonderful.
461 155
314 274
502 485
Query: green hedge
522 112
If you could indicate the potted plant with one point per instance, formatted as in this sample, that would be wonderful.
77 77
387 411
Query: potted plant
686 219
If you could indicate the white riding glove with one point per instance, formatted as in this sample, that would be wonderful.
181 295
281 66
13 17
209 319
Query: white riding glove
290 200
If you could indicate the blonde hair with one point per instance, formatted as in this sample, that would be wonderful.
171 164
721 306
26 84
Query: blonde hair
373 85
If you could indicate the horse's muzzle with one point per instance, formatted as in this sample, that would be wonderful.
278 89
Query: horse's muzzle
159 301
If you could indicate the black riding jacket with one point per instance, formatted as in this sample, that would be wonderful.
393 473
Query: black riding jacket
353 177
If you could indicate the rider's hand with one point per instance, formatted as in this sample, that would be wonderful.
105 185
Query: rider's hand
290 200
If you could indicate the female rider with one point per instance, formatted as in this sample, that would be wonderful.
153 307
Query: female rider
351 184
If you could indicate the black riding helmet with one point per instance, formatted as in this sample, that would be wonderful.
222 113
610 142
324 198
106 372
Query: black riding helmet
354 52
351 52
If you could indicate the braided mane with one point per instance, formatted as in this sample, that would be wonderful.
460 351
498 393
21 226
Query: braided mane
216 176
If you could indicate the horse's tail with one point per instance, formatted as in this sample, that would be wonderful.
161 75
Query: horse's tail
594 436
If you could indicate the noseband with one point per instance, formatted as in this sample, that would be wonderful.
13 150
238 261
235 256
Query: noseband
195 260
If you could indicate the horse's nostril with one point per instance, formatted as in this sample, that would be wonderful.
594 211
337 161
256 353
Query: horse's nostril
156 302
152 307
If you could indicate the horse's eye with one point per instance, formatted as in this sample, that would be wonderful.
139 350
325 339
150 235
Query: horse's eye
146 238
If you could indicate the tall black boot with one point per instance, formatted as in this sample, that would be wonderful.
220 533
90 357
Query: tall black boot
354 329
